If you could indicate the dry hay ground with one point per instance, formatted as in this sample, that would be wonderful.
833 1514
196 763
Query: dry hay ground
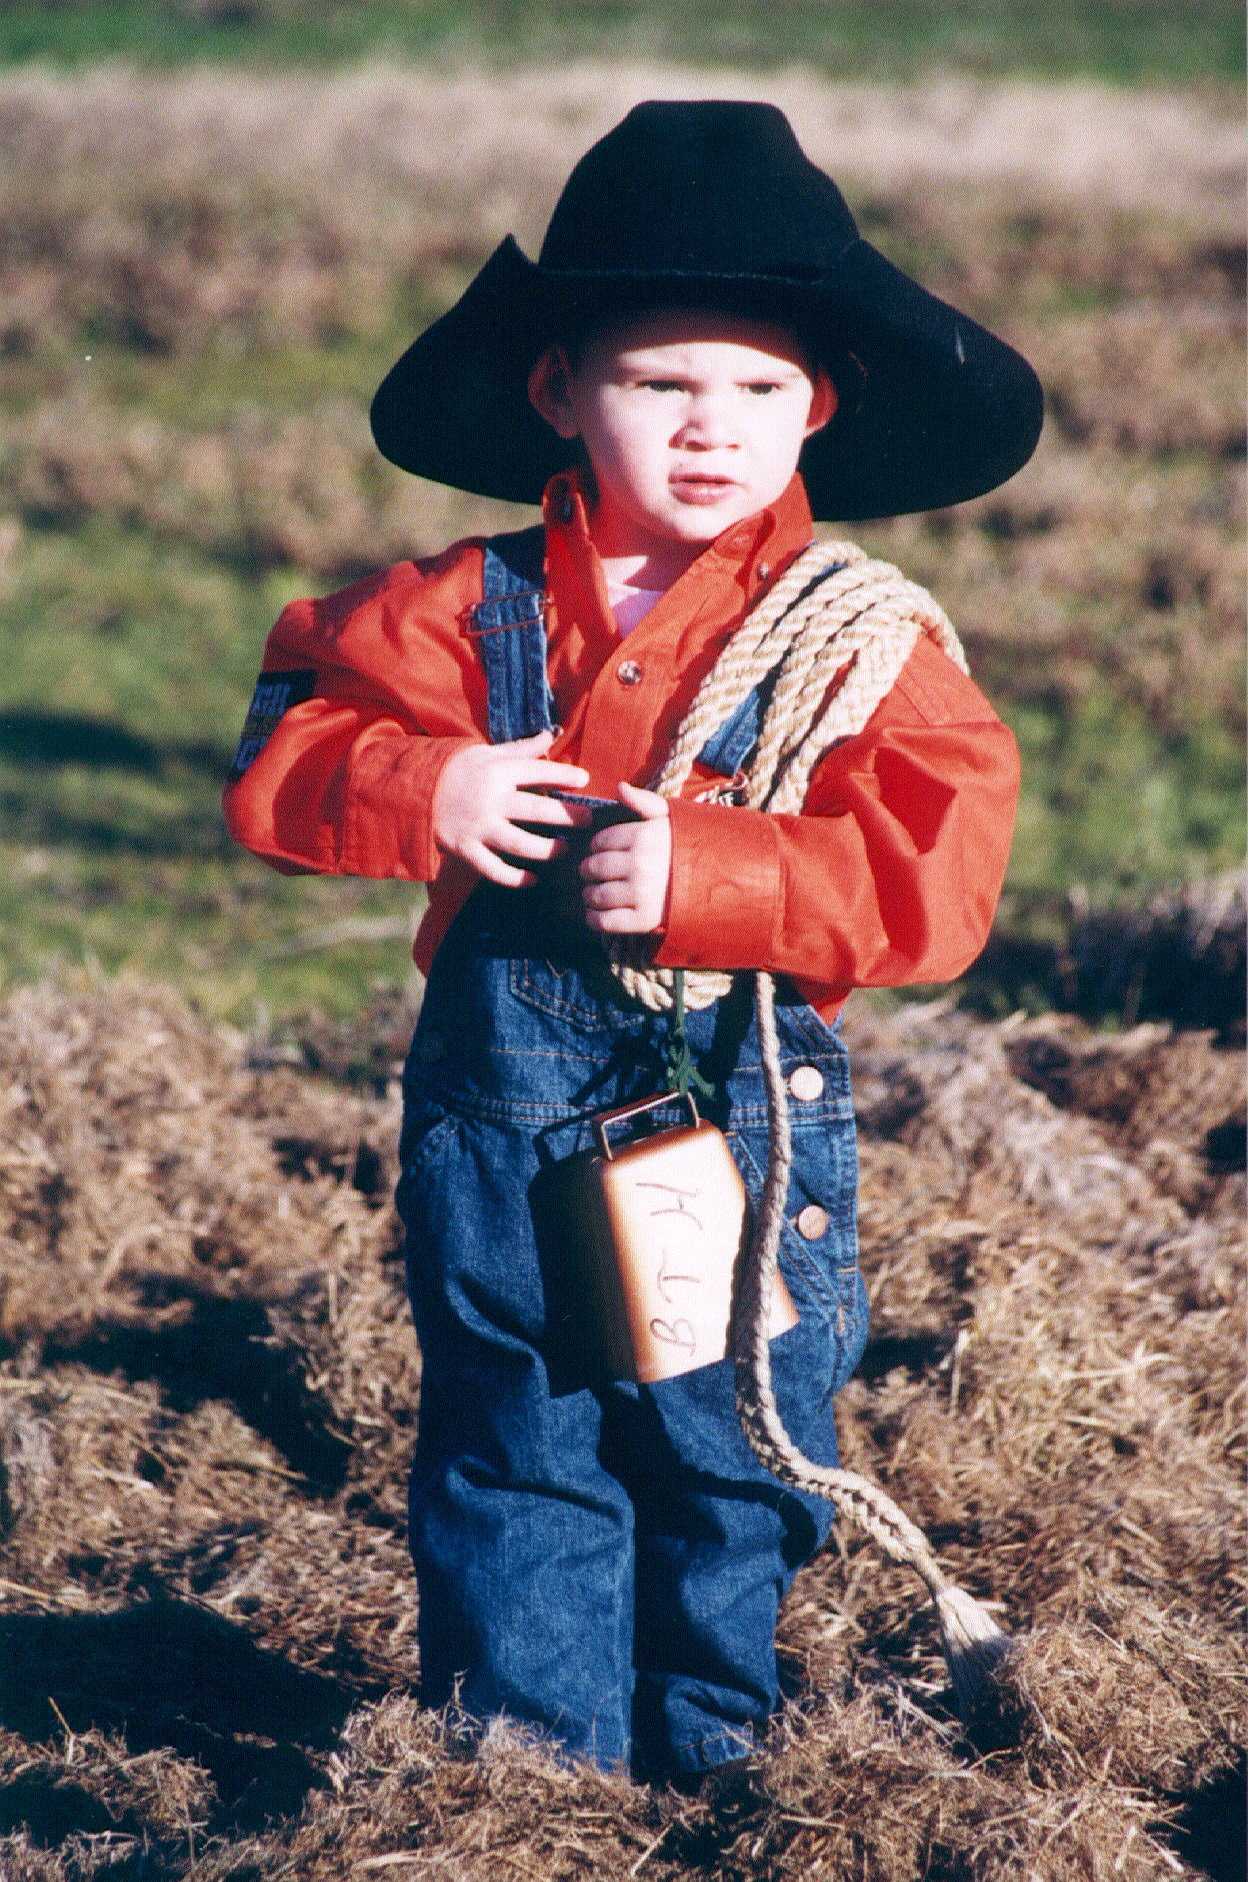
208 1388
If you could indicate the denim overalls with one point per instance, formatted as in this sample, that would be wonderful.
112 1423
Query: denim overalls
599 1559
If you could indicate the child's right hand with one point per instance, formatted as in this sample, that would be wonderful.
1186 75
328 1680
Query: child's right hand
480 795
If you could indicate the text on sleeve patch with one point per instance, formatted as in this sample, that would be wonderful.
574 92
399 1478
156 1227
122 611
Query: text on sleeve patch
275 694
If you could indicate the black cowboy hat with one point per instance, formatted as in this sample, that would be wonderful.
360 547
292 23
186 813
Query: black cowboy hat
716 204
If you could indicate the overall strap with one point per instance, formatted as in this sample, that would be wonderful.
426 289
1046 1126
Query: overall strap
728 747
731 743
508 625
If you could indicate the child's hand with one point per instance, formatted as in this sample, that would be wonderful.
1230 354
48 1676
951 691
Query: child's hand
480 794
625 874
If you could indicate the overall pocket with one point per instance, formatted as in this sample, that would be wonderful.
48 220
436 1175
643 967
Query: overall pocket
559 992
424 1126
580 993
425 1123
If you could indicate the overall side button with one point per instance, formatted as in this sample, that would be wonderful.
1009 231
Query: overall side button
806 1083
812 1222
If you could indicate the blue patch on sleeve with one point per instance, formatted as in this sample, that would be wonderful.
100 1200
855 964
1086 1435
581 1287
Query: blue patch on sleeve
275 694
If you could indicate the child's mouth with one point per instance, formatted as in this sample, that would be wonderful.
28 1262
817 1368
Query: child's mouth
698 487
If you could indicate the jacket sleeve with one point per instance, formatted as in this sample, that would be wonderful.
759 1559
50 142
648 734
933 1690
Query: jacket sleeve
891 872
356 712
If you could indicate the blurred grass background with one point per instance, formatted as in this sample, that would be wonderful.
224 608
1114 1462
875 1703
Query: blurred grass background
211 251
1123 41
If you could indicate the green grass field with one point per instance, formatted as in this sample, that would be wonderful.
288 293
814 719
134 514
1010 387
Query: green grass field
1123 41
114 850
188 346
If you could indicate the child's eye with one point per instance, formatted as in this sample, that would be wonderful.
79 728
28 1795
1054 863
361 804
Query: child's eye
762 386
661 385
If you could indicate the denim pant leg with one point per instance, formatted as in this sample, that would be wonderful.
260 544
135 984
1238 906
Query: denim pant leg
718 1537
522 1540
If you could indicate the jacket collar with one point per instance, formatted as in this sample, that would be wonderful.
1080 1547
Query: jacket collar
720 583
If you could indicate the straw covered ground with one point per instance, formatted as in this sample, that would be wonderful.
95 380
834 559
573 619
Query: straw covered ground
207 1398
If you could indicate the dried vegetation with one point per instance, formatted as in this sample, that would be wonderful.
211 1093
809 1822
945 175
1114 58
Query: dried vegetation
207 1399
176 207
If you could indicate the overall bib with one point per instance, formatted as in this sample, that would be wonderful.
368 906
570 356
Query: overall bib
599 1559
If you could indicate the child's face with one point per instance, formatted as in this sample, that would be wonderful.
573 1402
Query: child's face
692 420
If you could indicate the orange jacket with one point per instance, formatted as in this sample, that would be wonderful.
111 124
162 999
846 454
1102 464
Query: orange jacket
889 875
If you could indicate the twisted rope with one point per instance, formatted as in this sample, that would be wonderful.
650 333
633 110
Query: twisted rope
837 628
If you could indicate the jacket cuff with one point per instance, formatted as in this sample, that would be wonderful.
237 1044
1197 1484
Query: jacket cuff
724 892
388 825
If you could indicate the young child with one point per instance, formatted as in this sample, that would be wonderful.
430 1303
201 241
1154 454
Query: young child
600 1559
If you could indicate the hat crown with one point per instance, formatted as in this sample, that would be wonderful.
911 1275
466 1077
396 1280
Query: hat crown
714 188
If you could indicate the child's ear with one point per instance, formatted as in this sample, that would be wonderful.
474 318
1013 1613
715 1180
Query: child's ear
550 391
823 402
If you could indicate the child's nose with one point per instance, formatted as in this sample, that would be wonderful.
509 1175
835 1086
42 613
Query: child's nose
706 427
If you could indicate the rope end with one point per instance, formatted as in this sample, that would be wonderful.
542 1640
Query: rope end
975 1648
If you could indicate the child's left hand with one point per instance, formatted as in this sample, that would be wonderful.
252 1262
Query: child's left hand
624 877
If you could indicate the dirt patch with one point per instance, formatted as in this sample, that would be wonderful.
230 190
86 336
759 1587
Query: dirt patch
208 1392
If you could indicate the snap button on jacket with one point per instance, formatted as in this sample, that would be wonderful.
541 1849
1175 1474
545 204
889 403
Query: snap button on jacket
890 874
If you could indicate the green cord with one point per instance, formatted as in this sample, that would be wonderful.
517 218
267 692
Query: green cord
681 1070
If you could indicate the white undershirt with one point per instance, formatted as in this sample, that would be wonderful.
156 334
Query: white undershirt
629 604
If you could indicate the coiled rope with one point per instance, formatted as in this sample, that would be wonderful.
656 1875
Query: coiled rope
836 612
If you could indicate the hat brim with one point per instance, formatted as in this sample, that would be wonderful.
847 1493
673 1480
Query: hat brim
934 409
